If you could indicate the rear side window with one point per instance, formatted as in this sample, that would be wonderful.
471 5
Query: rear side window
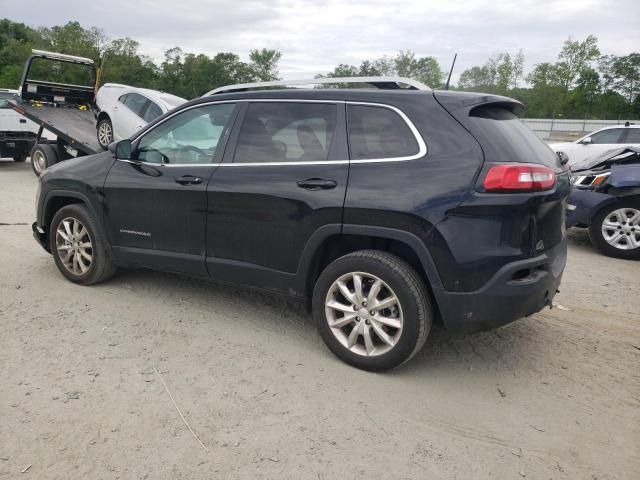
504 138
286 132
633 135
379 132
134 102
153 111
607 136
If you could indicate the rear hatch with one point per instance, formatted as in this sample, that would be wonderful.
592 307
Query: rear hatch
531 222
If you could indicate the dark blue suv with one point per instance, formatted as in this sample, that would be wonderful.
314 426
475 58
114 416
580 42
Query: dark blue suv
386 209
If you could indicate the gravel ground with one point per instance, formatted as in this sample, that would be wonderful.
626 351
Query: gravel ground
85 376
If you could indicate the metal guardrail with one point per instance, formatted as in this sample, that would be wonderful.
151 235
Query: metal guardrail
565 128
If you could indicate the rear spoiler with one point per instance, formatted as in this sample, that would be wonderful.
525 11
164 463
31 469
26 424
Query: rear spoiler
459 103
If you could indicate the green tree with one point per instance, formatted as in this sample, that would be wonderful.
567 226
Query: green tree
265 63
575 57
626 71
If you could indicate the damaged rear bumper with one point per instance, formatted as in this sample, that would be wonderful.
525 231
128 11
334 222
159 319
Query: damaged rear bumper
517 290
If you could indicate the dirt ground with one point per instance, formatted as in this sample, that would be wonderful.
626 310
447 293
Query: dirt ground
554 396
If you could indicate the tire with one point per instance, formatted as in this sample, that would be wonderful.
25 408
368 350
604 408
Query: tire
99 267
104 132
406 323
615 230
20 158
42 157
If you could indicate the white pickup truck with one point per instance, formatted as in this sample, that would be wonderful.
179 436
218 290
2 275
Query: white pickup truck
17 134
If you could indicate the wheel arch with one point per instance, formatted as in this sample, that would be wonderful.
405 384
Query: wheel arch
57 199
102 116
329 244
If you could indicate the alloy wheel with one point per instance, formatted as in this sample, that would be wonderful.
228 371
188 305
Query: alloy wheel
364 314
105 134
621 228
74 246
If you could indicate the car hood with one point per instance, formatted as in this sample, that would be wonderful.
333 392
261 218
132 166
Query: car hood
621 155
559 145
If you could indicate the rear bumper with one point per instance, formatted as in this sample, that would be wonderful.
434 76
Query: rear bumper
40 236
517 290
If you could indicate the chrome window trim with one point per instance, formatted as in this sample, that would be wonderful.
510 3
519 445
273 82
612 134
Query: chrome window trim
422 147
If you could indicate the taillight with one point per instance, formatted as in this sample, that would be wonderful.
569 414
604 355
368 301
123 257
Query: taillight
519 177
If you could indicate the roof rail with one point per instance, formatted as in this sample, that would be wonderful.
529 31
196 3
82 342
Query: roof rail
61 56
388 83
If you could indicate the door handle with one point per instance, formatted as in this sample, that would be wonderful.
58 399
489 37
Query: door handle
23 120
317 184
188 180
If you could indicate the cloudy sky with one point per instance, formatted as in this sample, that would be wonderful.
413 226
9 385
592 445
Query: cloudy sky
316 35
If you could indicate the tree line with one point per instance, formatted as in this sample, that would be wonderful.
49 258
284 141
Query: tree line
581 83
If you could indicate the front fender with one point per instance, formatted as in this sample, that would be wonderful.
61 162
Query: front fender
584 204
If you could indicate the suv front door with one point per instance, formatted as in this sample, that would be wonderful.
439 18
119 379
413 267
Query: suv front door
283 179
156 203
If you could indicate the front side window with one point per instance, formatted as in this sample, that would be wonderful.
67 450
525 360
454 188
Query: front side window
286 132
379 132
190 137
136 103
607 136
152 112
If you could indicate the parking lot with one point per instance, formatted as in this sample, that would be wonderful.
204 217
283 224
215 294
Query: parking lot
88 377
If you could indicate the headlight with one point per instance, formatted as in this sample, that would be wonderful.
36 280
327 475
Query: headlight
589 180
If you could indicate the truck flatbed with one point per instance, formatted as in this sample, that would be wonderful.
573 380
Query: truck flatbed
77 127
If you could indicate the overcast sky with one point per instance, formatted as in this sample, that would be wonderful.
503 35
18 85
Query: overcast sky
316 35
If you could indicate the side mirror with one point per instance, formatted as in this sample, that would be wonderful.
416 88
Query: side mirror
123 149
563 158
586 141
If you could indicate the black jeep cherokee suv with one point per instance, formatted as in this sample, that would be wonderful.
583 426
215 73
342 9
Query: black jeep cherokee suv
386 209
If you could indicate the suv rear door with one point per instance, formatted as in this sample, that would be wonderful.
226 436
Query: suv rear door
283 179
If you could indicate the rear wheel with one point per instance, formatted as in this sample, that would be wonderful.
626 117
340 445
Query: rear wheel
104 132
78 249
615 230
372 310
42 157
20 157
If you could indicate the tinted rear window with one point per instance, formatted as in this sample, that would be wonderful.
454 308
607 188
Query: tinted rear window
504 138
378 132
153 111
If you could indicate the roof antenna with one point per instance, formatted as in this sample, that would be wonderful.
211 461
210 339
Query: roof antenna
446 87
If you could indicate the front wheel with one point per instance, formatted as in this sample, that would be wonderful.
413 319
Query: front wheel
78 249
372 310
104 133
615 231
